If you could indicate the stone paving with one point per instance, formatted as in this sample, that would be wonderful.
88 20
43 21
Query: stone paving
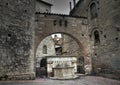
87 80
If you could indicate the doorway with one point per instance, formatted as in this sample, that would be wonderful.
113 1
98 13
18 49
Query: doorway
41 72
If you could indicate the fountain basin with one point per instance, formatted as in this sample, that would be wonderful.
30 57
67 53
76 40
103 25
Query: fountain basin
61 67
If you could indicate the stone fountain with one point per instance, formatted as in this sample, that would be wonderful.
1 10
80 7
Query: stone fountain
61 67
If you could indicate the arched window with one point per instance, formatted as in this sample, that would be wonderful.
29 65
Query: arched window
44 49
96 37
93 11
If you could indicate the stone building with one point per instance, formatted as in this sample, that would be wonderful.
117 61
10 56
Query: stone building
104 33
42 6
71 47
94 24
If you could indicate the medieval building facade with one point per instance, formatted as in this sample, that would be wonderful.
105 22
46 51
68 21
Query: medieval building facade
103 25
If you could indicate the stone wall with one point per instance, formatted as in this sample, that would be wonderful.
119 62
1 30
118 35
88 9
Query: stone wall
42 7
108 51
48 41
70 46
16 39
73 26
105 55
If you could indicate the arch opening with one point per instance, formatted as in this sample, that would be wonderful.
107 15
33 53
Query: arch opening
93 10
58 44
96 37
44 49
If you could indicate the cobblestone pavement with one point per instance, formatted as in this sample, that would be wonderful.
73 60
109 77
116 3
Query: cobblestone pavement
87 80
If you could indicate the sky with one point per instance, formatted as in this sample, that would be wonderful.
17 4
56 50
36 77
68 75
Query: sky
60 6
58 34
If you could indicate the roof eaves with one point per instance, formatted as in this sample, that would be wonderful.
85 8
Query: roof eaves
45 2
61 15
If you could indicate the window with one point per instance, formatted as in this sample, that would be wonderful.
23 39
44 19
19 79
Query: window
44 49
96 37
93 10
66 23
60 22
55 22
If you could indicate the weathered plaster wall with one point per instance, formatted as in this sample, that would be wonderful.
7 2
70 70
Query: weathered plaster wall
16 39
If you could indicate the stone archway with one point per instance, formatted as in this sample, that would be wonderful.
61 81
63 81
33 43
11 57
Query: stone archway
75 28
39 53
77 42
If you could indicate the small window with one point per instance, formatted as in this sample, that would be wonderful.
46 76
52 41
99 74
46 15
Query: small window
44 49
96 38
55 22
66 23
60 22
93 11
